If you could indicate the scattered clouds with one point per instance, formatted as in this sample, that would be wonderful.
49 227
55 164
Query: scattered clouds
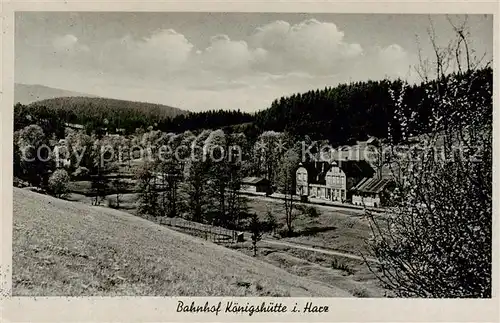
226 54
277 59
164 51
314 47
166 46
392 52
311 45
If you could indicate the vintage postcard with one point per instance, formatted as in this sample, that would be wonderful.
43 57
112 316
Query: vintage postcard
227 162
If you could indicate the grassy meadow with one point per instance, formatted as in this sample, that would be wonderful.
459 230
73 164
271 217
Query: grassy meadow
331 229
65 248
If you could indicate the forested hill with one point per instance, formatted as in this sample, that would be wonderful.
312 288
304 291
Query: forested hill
354 111
129 115
93 110
341 114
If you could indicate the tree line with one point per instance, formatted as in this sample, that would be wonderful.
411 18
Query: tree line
200 182
98 113
355 111
341 114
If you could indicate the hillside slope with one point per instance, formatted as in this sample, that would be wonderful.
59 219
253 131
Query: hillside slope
83 102
354 111
29 93
92 112
65 248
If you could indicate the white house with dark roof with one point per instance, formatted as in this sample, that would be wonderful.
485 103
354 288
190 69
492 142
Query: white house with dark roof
331 181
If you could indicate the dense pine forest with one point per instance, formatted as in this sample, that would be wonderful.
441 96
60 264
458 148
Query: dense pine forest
354 111
95 113
340 114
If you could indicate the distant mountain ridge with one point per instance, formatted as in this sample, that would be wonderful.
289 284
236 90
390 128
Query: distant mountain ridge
34 94
29 93
61 106
114 105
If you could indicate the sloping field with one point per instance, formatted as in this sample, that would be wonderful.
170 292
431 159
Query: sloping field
64 248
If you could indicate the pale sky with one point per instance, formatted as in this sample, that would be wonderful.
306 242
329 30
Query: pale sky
201 61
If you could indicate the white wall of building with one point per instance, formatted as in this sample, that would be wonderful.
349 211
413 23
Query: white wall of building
367 200
301 185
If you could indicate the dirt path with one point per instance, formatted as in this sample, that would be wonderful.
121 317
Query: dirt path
319 250
321 206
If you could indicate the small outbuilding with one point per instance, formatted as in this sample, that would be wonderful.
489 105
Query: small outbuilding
255 185
372 192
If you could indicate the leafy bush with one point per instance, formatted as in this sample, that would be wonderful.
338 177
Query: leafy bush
35 163
285 232
58 183
111 202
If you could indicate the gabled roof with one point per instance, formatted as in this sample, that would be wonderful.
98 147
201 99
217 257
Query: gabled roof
372 185
254 180
316 171
356 168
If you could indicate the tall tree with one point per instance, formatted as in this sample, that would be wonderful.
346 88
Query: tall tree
99 181
35 155
436 240
256 228
80 145
237 208
215 147
268 150
286 183
195 185
170 168
119 187
146 186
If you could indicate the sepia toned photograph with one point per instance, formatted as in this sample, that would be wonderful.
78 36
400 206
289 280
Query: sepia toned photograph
252 154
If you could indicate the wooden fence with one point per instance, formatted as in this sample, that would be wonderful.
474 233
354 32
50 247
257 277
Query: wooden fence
205 231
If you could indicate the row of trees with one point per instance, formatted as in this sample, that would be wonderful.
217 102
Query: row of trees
203 181
340 114
188 183
350 112
43 162
204 169
98 113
